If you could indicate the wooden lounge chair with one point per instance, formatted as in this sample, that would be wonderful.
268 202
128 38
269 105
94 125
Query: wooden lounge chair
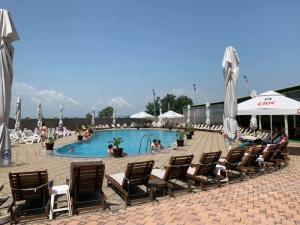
30 195
281 155
86 179
204 171
176 170
249 165
231 162
136 174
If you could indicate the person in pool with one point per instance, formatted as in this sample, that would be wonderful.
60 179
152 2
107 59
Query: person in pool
154 145
110 150
159 145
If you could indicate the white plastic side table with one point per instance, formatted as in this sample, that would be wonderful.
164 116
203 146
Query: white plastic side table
60 190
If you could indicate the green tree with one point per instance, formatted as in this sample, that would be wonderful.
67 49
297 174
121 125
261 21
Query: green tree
88 116
150 107
106 112
181 102
168 102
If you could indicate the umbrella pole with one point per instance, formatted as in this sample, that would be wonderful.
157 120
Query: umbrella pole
271 125
286 125
259 126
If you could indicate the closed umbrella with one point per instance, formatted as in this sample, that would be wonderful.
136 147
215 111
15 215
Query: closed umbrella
93 117
253 120
60 110
18 114
8 35
39 114
114 117
230 66
188 121
207 113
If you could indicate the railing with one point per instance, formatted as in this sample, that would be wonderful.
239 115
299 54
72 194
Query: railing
147 143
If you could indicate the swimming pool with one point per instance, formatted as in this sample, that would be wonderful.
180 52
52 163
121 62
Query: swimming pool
97 145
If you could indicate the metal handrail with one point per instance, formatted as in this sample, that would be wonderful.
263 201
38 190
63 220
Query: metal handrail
141 142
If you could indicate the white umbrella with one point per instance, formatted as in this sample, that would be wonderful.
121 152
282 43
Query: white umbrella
230 66
270 103
18 114
93 117
114 116
8 35
253 120
207 112
170 115
39 114
141 115
188 121
60 110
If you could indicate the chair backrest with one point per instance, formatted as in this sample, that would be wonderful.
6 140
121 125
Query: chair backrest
86 176
272 149
252 155
208 163
23 185
178 167
234 156
210 157
138 173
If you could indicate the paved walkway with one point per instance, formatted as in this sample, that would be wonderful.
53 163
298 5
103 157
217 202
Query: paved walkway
268 199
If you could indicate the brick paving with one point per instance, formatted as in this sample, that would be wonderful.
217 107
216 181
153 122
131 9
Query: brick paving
268 199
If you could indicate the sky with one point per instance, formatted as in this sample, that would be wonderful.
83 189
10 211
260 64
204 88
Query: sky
95 53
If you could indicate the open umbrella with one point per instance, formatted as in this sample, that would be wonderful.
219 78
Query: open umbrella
60 110
8 35
253 120
39 114
18 114
141 115
207 113
188 121
170 115
93 117
230 66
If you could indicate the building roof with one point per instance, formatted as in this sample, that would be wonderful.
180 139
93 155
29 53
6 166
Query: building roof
242 99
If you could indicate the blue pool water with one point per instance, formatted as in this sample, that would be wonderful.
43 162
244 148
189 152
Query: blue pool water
97 145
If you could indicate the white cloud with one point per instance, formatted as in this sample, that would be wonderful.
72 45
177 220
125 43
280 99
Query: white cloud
119 102
50 100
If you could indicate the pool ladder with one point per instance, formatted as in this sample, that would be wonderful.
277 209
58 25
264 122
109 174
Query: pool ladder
147 143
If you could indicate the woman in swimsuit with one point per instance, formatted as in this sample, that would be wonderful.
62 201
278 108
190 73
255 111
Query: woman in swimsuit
43 133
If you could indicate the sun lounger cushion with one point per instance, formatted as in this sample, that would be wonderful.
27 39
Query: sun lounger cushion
158 173
119 177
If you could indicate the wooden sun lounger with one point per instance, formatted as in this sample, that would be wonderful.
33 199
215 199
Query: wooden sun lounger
176 170
86 179
204 171
136 174
248 165
281 155
31 190
231 162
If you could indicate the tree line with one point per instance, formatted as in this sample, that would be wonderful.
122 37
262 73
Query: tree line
169 102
